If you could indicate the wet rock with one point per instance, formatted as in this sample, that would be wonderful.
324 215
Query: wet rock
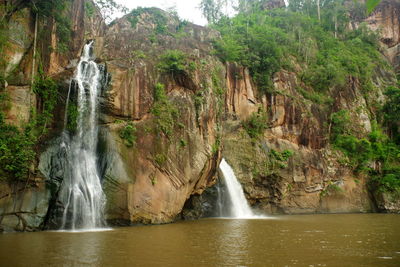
388 201
24 208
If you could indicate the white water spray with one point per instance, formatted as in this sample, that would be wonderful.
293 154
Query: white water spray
81 191
240 209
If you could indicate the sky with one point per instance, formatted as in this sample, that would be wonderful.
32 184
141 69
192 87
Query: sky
187 9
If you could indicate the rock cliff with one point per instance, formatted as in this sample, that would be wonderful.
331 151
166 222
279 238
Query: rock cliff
150 181
181 122
385 19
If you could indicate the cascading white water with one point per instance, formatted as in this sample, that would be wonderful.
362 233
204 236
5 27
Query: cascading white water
81 192
240 209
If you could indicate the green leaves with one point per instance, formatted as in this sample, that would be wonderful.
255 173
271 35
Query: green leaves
165 112
46 89
173 62
16 152
127 133
256 124
371 4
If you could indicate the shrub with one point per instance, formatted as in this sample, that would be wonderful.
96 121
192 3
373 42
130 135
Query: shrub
46 89
274 161
16 151
256 124
173 62
164 111
127 133
157 17
72 116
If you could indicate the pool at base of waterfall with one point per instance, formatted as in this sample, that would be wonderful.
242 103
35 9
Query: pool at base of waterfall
292 240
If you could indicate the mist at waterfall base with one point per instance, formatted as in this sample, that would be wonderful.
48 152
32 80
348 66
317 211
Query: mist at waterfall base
81 193
237 205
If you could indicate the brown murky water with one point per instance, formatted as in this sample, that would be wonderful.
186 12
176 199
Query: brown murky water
301 240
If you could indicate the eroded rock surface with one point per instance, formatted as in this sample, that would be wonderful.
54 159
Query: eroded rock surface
155 177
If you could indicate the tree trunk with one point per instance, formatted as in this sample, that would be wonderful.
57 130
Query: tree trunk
336 26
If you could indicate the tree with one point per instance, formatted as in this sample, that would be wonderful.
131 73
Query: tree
211 10
109 7
371 5
391 112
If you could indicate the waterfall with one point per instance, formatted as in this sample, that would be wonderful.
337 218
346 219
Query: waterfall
239 208
66 105
81 193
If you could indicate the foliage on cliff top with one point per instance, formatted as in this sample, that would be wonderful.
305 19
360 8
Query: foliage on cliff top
267 41
156 16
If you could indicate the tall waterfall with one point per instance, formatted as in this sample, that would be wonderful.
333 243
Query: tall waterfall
239 209
81 191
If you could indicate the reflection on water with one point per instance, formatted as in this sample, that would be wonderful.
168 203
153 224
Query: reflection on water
308 240
232 246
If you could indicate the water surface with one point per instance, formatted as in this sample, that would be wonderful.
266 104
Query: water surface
301 240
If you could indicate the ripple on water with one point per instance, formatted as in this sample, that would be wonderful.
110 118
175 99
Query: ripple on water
385 258
90 230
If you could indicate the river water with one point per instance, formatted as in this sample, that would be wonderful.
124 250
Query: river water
296 240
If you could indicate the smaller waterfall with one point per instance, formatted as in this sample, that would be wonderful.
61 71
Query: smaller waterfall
239 208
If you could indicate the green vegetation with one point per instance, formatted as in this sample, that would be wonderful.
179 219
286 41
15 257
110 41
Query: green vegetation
273 162
165 112
371 4
173 62
158 18
153 179
56 9
257 123
330 55
89 9
108 8
182 143
160 159
138 54
127 133
315 97
46 89
391 113
216 146
72 117
376 155
17 144
218 89
331 189
267 41
16 151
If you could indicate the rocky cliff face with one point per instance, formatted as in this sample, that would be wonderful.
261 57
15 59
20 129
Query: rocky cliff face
151 181
179 139
24 206
312 180
385 19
